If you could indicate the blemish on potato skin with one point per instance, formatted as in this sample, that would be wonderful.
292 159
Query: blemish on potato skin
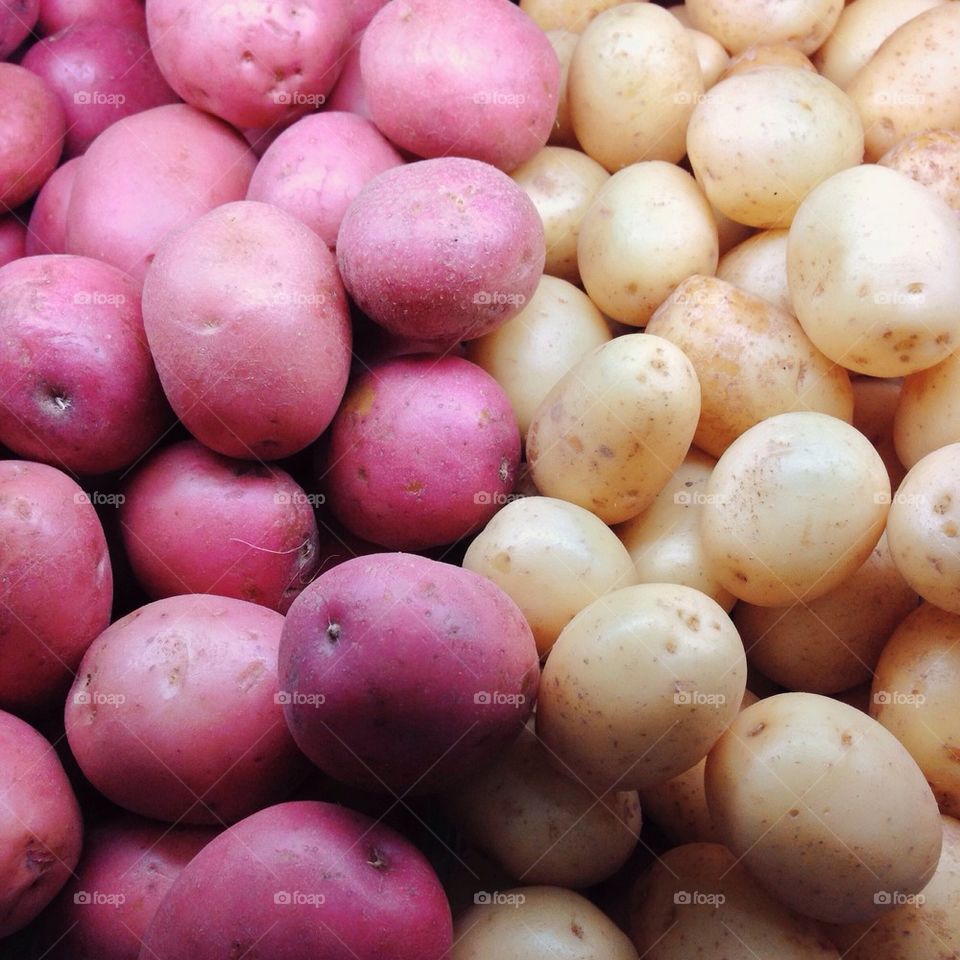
757 730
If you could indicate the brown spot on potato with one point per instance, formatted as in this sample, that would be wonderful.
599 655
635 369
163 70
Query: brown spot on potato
757 730
414 487
362 399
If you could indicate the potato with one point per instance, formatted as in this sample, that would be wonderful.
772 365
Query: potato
873 247
928 413
752 359
57 14
442 250
561 134
803 129
931 158
552 558
640 685
759 56
562 184
729 232
699 901
923 525
474 78
634 81
925 926
862 27
713 59
530 353
831 643
823 806
532 922
439 656
572 15
875 403
664 541
46 231
541 824
758 265
17 19
738 24
793 507
13 239
648 229
348 94
912 82
610 434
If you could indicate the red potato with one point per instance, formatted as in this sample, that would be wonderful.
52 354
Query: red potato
174 713
348 94
315 168
475 78
248 324
443 250
56 583
252 64
80 388
40 827
32 127
46 231
149 174
101 73
13 239
17 19
404 674
361 12
303 881
196 522
423 451
57 14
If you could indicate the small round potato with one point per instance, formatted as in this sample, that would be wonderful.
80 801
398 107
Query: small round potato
802 130
928 414
610 434
762 55
563 43
634 81
712 57
871 261
931 158
759 266
875 404
640 685
562 183
793 507
924 524
649 228
825 807
573 15
831 643
552 558
664 541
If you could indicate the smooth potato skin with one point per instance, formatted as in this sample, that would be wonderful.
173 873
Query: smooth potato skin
56 583
436 655
58 14
13 237
380 897
932 158
47 229
17 19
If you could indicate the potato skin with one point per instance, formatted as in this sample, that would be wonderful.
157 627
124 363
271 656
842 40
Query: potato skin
928 412
758 265
46 231
738 24
17 19
932 158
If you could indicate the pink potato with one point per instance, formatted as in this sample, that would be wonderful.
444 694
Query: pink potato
476 78
348 94
250 529
174 713
443 250
57 14
40 827
403 674
46 231
423 451
32 127
128 866
304 881
314 169
149 174
248 324
17 19
56 583
253 64
80 388
361 12
13 239
101 73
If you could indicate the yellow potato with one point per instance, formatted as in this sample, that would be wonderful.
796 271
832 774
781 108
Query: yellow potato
536 923
532 351
649 227
862 27
752 360
634 80
738 24
928 415
553 558
759 266
872 264
793 507
712 57
912 83
875 405
831 643
802 129
542 825
640 685
563 43
923 927
824 807
611 433
664 541
768 55
924 526
699 901
931 158
572 15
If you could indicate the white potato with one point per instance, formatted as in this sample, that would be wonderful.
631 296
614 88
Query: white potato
932 158
712 57
928 414
758 265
